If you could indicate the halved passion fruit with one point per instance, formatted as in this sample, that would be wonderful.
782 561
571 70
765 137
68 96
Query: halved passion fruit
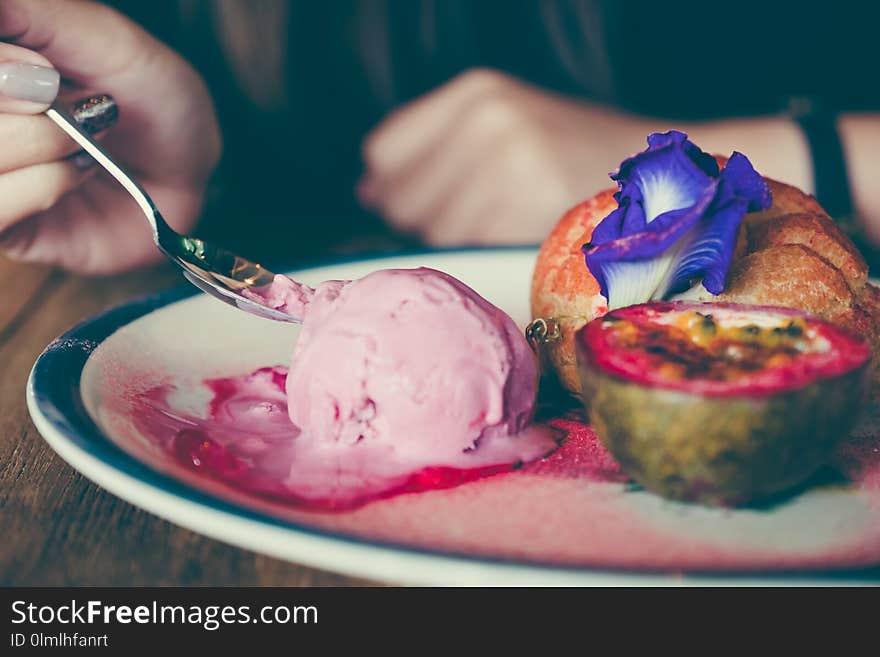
720 403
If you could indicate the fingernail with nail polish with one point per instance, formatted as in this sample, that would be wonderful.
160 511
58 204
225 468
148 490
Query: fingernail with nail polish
83 161
38 84
95 113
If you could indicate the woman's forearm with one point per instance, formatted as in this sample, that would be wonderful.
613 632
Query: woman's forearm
861 143
778 149
775 145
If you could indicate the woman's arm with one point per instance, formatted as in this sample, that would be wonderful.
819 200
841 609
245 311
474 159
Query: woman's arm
775 145
861 143
489 159
779 150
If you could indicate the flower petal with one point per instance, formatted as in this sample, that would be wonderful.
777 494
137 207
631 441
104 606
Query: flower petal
653 243
662 178
676 223
706 251
703 160
611 227
744 182
634 281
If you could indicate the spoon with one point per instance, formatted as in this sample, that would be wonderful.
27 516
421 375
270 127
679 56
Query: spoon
212 269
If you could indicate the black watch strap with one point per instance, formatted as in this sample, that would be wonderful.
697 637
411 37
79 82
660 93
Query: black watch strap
830 178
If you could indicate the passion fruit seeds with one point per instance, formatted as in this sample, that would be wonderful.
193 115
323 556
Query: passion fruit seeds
720 403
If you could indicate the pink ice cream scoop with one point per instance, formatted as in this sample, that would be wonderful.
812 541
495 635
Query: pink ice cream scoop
407 368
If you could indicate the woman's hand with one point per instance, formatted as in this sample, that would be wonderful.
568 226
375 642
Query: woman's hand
489 159
51 210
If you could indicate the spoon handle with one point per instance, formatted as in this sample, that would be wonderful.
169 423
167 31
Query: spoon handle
90 146
219 272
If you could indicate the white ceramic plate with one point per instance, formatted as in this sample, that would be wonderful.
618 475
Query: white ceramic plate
513 529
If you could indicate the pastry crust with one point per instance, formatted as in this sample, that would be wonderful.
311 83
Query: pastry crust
788 275
819 234
791 255
563 288
786 200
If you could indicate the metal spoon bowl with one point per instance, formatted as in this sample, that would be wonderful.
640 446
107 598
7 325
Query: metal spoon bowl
219 272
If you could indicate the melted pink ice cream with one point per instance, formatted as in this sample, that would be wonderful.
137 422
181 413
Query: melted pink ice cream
245 439
570 507
409 382
402 370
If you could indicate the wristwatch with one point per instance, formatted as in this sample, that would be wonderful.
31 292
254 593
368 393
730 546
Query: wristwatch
830 179
818 123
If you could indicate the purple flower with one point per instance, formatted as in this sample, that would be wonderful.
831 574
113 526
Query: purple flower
676 222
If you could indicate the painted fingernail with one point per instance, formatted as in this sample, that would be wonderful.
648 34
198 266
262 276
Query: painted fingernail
83 160
38 84
95 113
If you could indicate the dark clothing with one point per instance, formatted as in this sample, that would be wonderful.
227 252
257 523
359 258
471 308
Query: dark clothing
349 62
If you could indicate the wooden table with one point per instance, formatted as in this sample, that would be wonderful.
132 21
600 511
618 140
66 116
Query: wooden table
56 527
59 529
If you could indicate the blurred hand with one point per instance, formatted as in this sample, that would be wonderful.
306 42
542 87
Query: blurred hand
51 211
489 159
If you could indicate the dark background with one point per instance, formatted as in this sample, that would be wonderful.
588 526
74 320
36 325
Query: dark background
293 169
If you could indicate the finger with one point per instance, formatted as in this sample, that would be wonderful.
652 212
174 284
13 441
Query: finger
421 124
409 197
96 47
25 192
475 220
71 235
502 201
96 232
28 82
28 139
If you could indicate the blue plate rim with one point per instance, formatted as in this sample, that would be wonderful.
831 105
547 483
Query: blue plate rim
54 389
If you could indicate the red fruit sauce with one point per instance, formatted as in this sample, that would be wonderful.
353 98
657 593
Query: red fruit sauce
232 436
245 439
